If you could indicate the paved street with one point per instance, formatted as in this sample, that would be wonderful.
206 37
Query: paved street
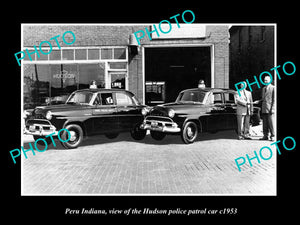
125 166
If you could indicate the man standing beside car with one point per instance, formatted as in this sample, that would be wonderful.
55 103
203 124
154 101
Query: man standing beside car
243 111
268 109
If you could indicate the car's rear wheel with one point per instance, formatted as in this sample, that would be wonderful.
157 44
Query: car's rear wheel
157 135
76 136
137 133
189 132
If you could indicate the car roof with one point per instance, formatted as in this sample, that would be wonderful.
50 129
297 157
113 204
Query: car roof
102 90
207 89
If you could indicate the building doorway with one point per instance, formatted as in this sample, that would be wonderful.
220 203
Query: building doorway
178 68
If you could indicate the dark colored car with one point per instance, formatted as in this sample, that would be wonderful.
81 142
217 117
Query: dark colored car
194 111
88 112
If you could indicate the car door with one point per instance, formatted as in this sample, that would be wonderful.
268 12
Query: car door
129 114
216 119
105 118
230 110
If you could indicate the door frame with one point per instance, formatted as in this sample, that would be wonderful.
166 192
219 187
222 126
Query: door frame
212 61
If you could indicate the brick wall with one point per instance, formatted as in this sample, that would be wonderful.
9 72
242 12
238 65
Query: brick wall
86 35
251 53
118 35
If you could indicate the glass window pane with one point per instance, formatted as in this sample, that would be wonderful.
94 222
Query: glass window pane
64 80
68 54
43 56
36 85
55 55
118 65
90 72
107 99
118 80
123 99
80 54
93 53
106 53
120 53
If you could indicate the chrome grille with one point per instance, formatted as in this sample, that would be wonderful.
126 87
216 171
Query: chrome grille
159 118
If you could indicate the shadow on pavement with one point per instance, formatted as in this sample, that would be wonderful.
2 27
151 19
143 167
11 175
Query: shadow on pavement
126 137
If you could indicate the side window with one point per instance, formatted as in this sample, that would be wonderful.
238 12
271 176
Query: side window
229 98
217 98
107 99
123 99
97 99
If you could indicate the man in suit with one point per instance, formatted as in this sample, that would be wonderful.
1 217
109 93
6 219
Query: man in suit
243 112
268 109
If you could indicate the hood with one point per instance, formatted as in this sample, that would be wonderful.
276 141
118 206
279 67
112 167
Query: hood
60 107
179 108
58 110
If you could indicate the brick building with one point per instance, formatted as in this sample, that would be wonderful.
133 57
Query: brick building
251 52
154 71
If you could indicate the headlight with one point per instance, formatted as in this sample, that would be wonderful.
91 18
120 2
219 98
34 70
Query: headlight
171 113
49 115
146 110
25 114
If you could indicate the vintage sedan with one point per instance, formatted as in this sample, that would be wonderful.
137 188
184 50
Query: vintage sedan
87 112
194 111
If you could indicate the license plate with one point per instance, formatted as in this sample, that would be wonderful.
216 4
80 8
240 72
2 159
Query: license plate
154 124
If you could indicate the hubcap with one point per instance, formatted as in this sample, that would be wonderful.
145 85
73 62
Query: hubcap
189 132
73 135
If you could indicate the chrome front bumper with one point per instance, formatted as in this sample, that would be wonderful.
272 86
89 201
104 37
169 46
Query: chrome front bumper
161 124
39 127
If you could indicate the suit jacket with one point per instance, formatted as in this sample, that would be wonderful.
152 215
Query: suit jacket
244 103
268 99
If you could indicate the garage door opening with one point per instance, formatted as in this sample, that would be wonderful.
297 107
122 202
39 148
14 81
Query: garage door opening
169 70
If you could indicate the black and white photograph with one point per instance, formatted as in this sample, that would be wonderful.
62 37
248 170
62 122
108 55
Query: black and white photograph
147 111
125 109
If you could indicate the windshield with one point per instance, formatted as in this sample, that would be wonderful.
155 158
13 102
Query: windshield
82 97
195 97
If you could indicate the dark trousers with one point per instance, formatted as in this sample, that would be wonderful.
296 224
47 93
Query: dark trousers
268 124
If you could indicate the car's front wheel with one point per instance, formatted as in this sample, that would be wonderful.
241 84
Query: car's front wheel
75 138
189 132
137 133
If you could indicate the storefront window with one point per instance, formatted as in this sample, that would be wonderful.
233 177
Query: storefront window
50 79
53 83
89 72
64 80
36 85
